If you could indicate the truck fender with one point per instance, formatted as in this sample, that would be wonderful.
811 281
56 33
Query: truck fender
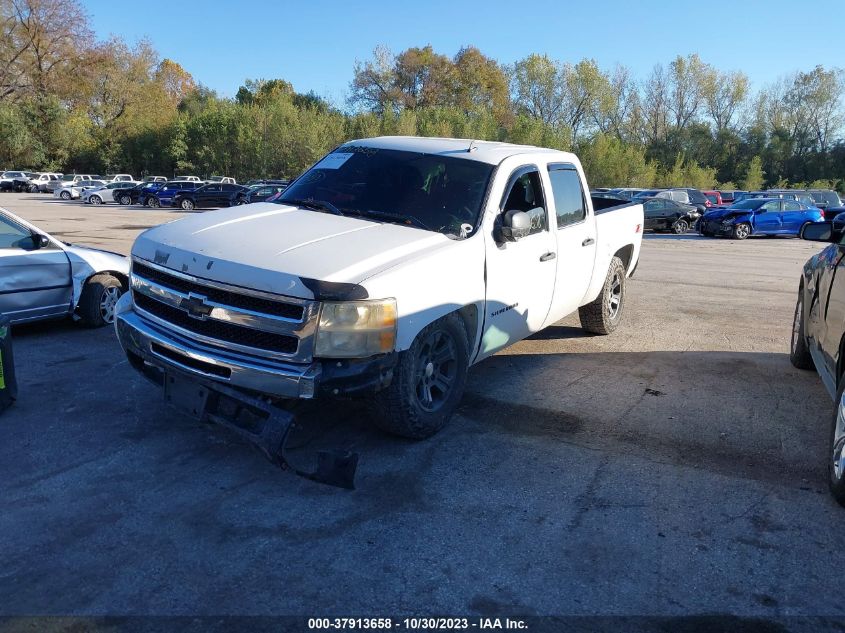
410 326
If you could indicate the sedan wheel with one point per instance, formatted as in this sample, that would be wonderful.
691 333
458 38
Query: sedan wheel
152 203
125 200
799 354
681 227
108 301
65 195
95 200
99 299
836 465
187 205
742 231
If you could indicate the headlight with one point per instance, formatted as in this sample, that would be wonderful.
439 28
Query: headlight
356 329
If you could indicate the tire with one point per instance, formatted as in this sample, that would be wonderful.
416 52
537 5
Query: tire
603 315
415 405
125 200
187 205
799 354
95 200
65 195
152 202
801 228
99 297
33 189
741 231
680 227
836 448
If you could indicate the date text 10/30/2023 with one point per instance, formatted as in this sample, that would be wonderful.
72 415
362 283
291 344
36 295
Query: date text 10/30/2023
415 624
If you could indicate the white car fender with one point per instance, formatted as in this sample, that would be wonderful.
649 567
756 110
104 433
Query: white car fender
432 285
87 262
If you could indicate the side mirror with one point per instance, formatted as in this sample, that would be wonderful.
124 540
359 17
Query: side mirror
515 226
40 241
818 232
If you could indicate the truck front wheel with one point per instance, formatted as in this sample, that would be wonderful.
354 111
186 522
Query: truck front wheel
428 381
603 315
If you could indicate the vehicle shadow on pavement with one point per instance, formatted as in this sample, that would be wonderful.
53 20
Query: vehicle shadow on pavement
732 413
45 328
674 237
560 332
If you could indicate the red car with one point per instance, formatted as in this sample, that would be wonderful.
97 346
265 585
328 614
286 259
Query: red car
714 198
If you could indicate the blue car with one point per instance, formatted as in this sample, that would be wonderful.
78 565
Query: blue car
164 196
759 216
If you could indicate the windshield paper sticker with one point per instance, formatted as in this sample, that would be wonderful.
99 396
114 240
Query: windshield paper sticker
334 160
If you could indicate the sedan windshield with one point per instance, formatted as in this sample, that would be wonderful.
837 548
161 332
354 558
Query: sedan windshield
430 191
751 203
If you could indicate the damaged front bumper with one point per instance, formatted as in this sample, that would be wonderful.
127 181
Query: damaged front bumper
236 393
146 344
714 227
162 349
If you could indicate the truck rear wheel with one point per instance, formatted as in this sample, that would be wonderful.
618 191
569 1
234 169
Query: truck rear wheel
603 315
428 381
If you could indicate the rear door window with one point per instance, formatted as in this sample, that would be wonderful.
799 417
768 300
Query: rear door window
568 195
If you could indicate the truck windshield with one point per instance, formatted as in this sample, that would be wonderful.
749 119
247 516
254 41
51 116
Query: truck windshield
429 191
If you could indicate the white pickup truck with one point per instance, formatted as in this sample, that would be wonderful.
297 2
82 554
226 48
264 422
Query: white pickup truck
387 269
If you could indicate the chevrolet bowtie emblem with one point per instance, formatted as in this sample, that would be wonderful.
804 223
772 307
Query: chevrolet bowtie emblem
195 306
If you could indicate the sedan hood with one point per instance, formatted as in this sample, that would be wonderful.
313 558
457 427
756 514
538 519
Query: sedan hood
718 214
273 247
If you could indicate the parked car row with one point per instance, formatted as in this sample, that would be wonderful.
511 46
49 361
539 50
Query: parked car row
731 213
49 182
184 194
759 216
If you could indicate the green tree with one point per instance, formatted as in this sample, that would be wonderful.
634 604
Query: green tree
754 175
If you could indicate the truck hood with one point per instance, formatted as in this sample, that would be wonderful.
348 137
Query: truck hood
271 247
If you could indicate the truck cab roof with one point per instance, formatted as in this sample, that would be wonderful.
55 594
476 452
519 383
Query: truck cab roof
490 152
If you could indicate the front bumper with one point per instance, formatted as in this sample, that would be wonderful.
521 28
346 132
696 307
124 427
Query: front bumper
164 350
153 351
714 227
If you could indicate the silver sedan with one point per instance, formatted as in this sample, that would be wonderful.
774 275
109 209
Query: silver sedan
43 278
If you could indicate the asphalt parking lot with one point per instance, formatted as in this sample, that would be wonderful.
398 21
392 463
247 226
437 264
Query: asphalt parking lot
676 467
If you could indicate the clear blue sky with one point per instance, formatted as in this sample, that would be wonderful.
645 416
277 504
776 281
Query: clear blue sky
314 43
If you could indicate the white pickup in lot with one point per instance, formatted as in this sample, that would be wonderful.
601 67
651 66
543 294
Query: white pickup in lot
387 269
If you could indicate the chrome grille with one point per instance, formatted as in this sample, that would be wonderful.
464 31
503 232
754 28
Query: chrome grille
233 318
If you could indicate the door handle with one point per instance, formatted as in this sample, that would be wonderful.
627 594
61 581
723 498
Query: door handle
588 241
547 257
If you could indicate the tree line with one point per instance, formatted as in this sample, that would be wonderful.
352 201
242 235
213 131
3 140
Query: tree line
69 102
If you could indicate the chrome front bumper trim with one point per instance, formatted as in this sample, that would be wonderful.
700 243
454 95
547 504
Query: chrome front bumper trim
138 336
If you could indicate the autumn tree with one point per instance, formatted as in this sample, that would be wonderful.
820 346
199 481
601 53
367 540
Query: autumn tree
43 43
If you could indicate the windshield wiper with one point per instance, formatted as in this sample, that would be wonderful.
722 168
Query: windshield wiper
401 217
310 203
